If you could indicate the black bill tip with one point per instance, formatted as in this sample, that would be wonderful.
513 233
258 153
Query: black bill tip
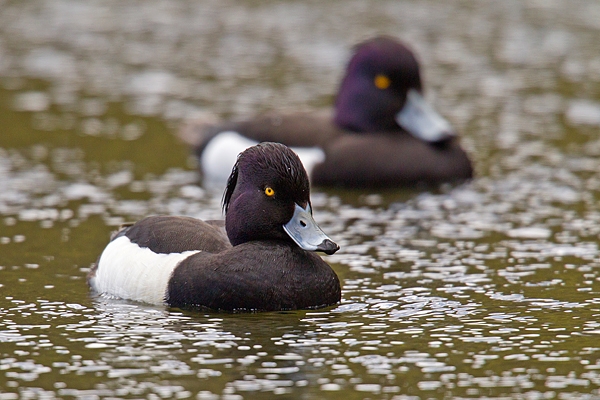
328 246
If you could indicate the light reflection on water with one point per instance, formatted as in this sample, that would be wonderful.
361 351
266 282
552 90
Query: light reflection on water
486 289
466 291
128 349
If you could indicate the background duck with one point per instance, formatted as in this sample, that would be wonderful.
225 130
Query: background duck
382 132
260 258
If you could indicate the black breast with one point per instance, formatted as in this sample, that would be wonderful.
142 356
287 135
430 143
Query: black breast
265 276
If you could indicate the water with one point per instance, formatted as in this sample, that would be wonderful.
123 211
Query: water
486 289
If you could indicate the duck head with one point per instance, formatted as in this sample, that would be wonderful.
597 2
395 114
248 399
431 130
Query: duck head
382 92
268 198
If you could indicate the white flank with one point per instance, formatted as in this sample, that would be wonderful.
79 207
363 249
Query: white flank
221 153
128 271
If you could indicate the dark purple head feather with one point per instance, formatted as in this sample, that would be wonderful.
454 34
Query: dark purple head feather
270 162
363 107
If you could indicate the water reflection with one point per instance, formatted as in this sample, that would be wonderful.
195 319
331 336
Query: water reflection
364 346
488 289
448 291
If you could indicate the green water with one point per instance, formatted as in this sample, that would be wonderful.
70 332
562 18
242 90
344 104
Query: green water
488 289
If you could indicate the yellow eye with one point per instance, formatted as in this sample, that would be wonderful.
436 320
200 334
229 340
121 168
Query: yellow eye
269 191
382 81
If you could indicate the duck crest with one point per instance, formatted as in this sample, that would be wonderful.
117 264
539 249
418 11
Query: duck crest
273 161
231 182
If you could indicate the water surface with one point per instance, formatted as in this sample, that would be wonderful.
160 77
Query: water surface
485 289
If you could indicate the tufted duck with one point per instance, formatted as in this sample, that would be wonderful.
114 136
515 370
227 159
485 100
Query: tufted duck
260 258
382 132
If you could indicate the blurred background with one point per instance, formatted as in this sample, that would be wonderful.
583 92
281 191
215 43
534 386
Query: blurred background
486 289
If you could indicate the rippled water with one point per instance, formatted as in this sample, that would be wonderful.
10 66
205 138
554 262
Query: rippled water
483 290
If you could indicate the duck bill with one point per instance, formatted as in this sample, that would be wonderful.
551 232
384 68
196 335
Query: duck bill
419 119
303 230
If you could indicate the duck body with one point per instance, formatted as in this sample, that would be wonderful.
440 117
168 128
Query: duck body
260 258
381 132
270 275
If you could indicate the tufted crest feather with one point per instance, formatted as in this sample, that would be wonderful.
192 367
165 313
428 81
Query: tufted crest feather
277 163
